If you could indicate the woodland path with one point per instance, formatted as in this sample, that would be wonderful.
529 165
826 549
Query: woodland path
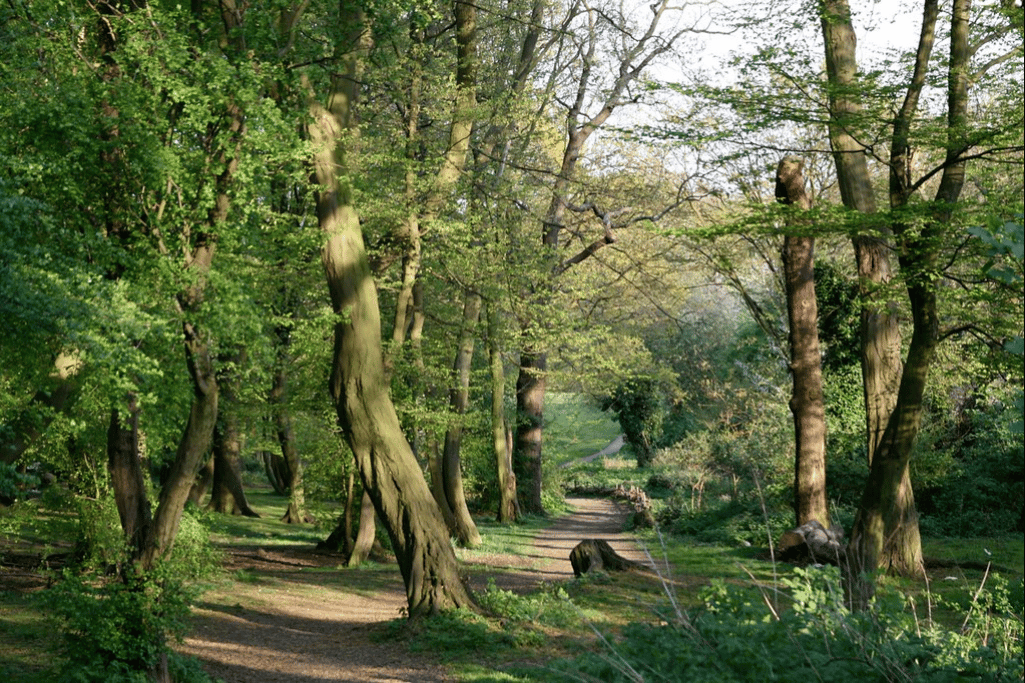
293 619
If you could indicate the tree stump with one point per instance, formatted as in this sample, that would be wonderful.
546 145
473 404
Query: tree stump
595 554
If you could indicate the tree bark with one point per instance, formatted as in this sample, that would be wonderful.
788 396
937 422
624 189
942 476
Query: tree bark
228 496
366 534
459 399
127 478
806 403
880 334
358 383
291 461
530 405
191 452
508 506
879 514
204 478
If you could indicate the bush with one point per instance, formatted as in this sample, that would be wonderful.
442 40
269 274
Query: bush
116 630
736 637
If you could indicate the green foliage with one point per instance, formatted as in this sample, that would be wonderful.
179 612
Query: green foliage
640 407
836 294
548 607
12 482
800 630
975 487
119 630
725 482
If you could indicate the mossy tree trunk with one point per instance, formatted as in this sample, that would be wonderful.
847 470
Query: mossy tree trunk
358 384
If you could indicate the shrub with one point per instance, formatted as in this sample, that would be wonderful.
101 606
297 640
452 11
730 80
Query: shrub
115 630
803 632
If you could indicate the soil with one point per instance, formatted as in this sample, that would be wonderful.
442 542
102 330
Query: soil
292 622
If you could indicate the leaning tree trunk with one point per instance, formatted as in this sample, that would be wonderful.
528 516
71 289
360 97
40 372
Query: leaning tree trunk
290 464
191 453
880 335
358 384
806 402
459 399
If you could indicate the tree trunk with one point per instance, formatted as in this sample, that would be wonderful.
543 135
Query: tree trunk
191 453
358 383
459 399
276 470
530 404
879 515
366 535
127 478
204 478
228 497
508 506
880 335
806 402
290 464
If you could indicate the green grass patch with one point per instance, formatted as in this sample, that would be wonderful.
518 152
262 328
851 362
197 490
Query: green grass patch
25 634
575 428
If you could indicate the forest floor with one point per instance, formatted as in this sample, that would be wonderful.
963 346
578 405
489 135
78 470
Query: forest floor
290 617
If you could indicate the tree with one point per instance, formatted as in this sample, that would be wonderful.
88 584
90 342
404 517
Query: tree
880 333
806 401
589 103
920 238
358 382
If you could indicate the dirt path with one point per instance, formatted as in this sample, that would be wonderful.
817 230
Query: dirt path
295 621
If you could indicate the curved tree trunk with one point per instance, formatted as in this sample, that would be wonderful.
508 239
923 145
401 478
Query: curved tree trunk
806 403
191 453
879 514
358 383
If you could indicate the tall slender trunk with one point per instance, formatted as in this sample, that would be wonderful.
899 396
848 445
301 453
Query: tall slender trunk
530 408
508 505
879 515
459 399
295 513
806 403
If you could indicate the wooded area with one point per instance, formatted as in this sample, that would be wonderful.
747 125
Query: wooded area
701 217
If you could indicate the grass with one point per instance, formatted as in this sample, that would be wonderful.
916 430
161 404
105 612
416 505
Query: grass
526 631
575 428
